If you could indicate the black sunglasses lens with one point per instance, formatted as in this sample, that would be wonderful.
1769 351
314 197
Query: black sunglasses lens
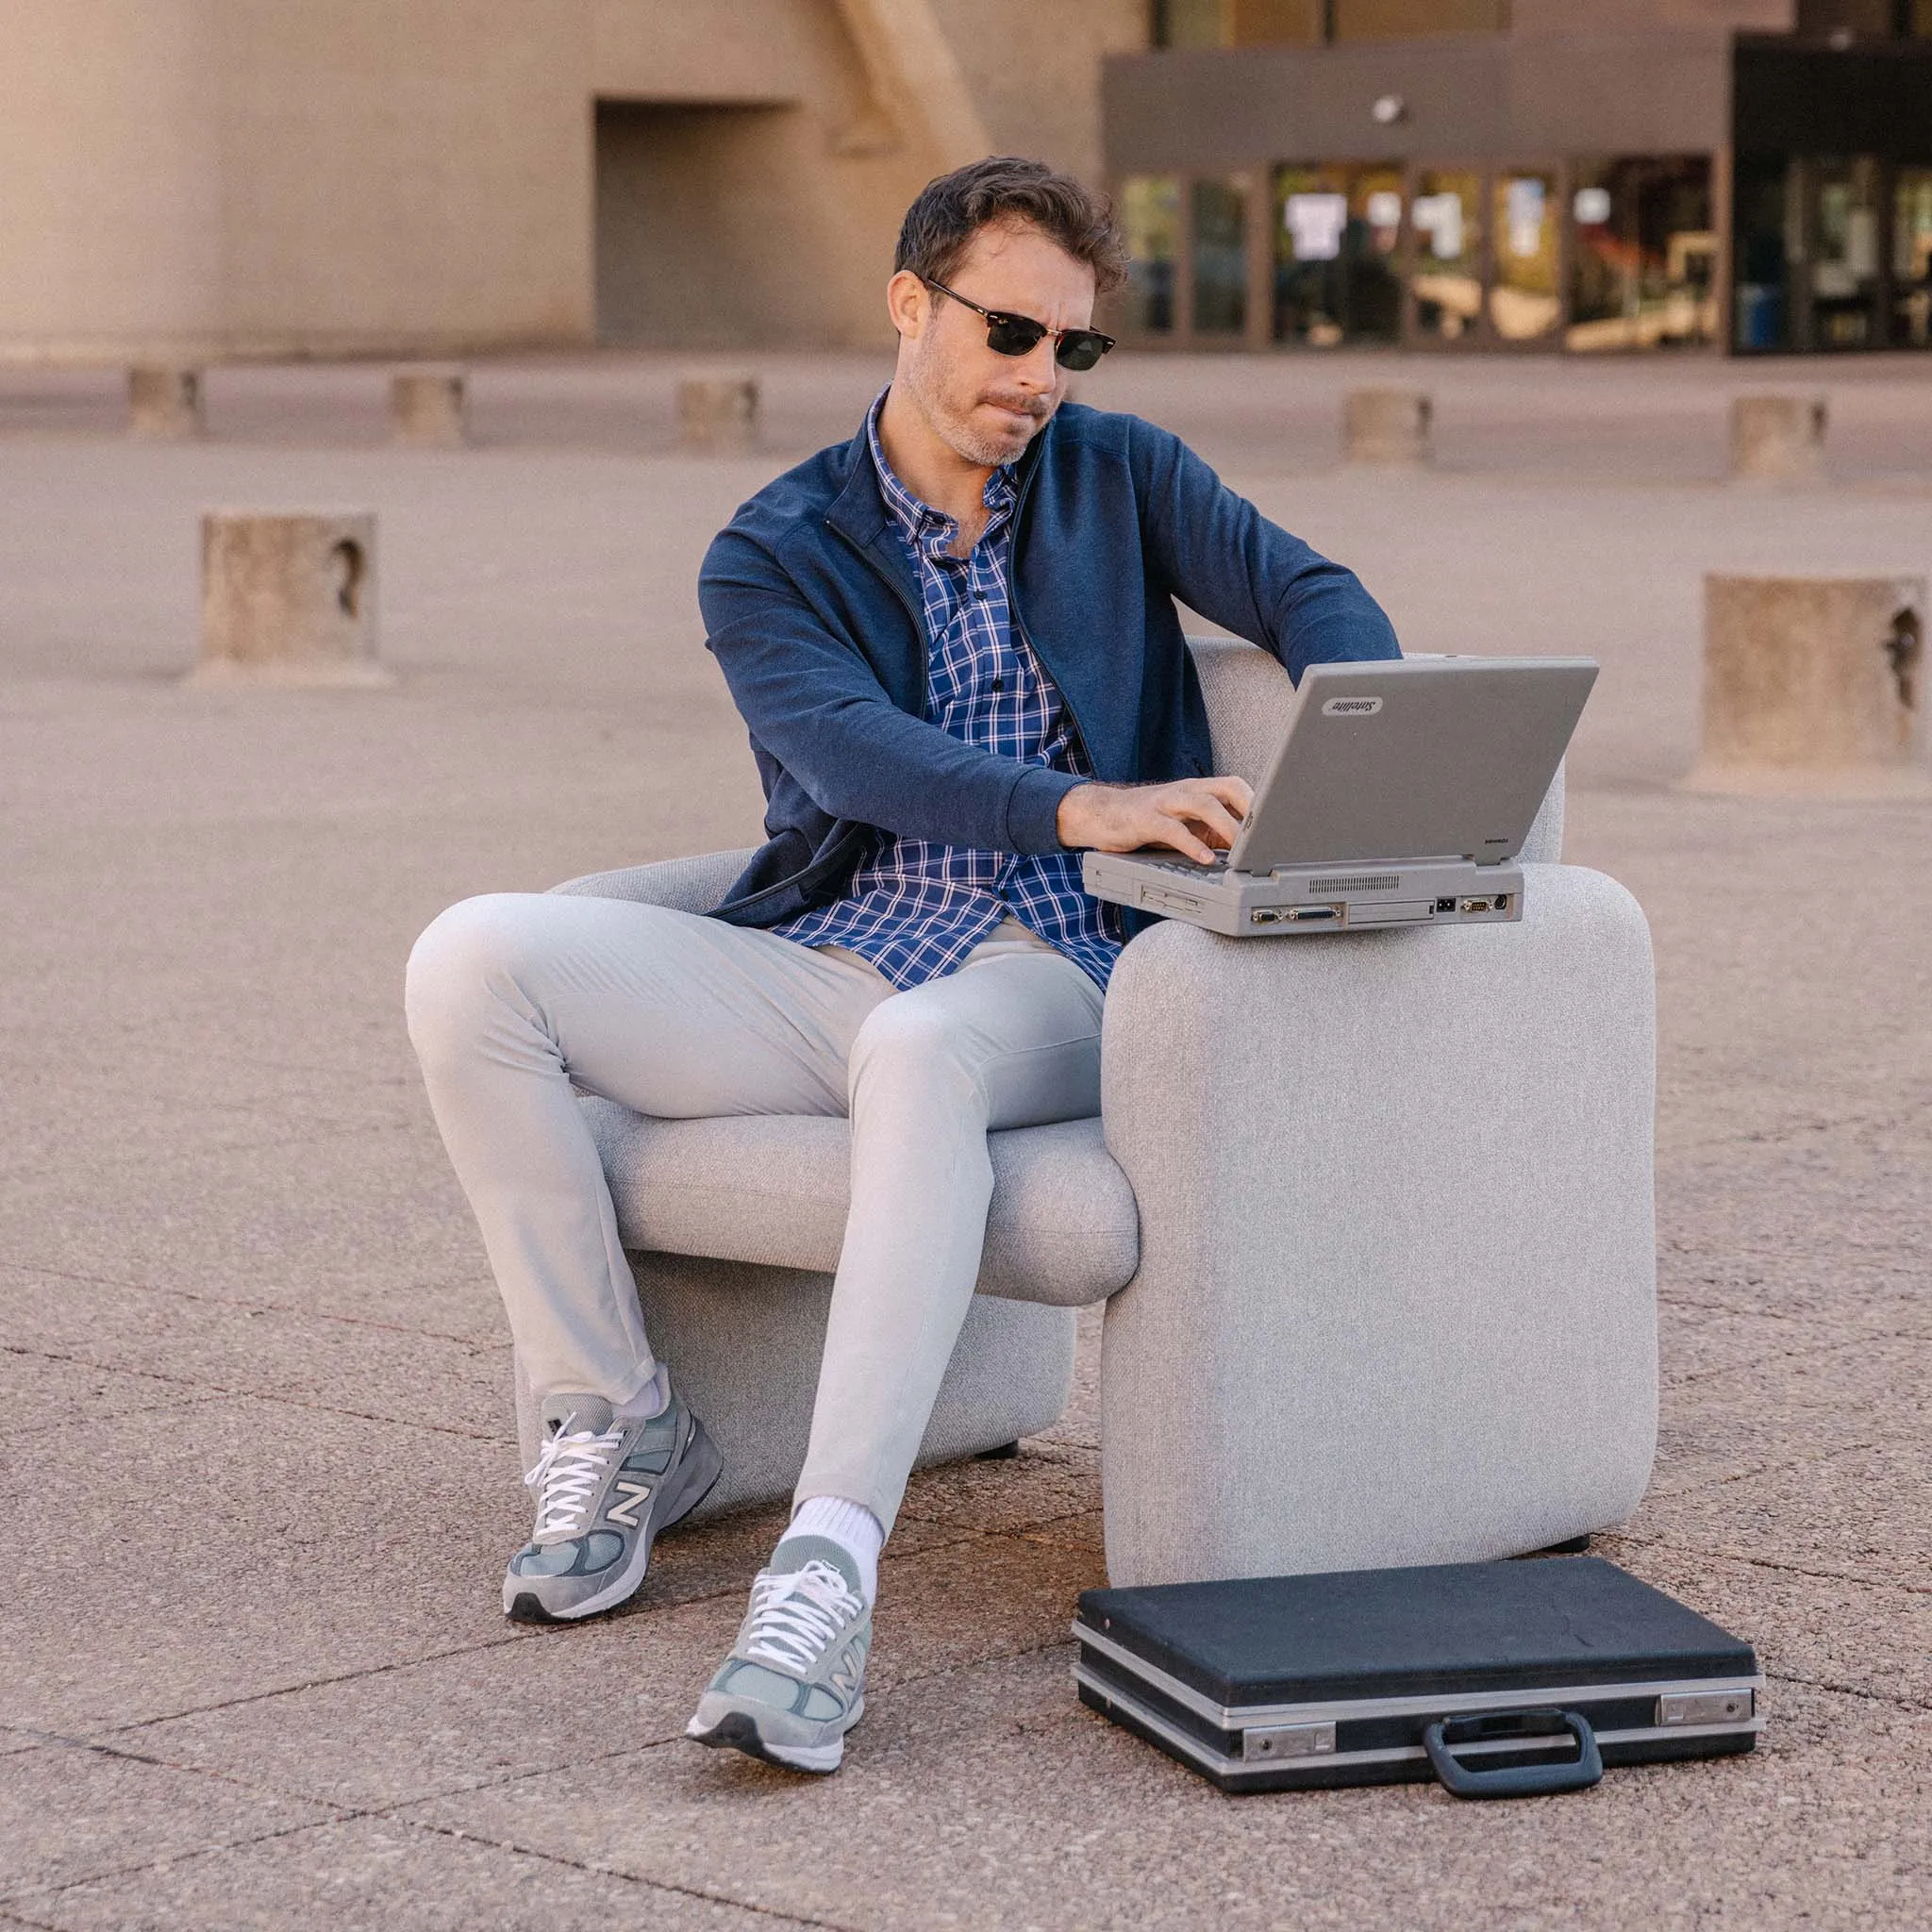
1013 334
1081 348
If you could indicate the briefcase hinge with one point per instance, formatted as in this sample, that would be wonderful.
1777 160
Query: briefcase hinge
1287 1740
1705 1708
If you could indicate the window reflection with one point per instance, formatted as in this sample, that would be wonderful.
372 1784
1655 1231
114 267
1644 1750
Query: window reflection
1523 302
1844 261
1645 258
1220 210
1336 233
1151 213
1911 258
1761 244
1447 278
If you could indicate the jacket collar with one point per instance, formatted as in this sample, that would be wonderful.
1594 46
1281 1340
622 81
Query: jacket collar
858 511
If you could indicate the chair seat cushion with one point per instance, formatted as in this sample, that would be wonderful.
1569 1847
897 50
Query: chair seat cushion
773 1188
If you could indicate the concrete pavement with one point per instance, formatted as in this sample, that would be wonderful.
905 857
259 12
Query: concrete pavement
254 1431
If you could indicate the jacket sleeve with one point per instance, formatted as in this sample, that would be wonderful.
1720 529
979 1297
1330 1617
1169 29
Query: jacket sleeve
811 699
1220 555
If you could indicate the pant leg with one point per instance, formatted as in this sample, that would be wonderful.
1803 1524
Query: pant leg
1012 1040
518 1001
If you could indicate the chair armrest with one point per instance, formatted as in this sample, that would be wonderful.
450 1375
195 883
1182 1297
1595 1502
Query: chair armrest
686 885
1397 1283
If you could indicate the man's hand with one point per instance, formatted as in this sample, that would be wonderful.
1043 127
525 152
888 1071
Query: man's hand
1195 817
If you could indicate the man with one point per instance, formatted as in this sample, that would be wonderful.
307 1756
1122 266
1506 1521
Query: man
954 643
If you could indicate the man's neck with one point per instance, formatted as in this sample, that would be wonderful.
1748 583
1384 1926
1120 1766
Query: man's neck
932 469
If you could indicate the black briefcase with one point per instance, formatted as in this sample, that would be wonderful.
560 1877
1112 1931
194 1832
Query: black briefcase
1501 1680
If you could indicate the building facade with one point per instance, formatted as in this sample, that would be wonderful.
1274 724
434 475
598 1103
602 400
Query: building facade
1586 175
205 178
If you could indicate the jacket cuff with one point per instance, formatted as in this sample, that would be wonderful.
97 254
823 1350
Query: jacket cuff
1033 810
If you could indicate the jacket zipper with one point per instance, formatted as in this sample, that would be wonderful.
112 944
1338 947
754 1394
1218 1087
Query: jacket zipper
1033 645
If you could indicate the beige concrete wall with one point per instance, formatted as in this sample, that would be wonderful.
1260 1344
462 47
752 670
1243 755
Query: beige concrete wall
1614 16
411 172
207 178
1033 67
110 218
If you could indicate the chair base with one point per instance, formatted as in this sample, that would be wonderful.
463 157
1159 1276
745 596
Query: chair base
743 1344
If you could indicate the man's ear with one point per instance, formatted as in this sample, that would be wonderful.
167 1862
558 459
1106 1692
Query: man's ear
908 301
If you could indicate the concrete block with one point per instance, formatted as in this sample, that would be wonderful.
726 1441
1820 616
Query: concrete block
1387 425
1777 438
1813 685
718 416
288 599
429 408
164 402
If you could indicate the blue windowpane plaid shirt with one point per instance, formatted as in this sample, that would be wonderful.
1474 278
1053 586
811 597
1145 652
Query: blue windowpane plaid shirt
918 907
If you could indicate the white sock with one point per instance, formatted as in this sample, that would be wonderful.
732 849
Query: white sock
853 1527
654 1398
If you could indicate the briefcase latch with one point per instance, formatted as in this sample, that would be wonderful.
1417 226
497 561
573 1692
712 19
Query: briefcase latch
1287 1740
1704 1708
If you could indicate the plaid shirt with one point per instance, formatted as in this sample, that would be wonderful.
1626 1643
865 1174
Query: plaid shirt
918 907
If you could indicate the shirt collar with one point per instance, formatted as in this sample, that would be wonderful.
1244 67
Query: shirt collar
928 528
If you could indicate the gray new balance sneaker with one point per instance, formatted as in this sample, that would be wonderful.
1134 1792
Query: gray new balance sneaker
605 1488
794 1683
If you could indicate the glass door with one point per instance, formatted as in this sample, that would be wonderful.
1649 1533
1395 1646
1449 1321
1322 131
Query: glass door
1445 275
1219 231
1846 271
1525 299
1336 233
1911 258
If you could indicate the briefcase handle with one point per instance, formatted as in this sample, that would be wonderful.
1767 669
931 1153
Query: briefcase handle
1518 1781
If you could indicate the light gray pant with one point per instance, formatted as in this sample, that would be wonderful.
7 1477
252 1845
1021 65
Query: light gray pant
516 999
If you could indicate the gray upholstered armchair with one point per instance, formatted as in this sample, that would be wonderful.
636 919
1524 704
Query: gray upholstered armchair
1371 1213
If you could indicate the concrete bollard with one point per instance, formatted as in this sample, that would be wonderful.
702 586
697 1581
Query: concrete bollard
718 416
1386 426
1777 438
429 408
1813 685
288 600
164 402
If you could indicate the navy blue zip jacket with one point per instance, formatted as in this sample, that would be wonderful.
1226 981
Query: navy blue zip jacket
815 615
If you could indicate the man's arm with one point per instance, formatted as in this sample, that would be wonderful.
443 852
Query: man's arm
1220 555
816 704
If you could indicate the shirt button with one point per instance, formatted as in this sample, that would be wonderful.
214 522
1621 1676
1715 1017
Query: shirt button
999 684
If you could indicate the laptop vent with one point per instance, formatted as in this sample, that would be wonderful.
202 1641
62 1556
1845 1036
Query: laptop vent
1358 882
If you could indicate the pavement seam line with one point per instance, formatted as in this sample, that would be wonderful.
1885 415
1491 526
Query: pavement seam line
1660 1543
605 1871
476 1344
214 1390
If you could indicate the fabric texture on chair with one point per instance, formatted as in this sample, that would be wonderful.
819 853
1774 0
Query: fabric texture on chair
774 1189
1396 1301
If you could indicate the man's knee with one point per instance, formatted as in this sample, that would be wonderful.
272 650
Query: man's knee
455 960
910 1039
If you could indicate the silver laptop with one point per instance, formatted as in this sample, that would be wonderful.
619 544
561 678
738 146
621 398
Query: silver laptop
1401 795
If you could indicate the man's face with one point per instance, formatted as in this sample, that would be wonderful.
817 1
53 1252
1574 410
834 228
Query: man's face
988 408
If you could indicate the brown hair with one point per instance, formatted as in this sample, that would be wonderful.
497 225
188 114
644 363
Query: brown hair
940 224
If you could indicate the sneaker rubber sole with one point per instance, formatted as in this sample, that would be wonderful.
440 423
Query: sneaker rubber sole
739 1731
696 1478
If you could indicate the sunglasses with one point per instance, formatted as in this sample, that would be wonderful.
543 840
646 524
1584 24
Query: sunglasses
1020 335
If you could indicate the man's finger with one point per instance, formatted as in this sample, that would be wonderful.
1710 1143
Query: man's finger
1234 793
1209 815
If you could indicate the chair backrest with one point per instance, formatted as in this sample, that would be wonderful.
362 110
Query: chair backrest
1248 695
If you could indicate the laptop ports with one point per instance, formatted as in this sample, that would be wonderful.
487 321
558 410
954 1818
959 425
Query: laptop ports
1296 915
1499 903
1446 905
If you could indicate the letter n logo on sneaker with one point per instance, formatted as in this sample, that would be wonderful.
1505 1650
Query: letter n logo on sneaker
627 1512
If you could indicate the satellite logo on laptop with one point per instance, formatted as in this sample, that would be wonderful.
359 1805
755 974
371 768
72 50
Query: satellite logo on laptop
1351 707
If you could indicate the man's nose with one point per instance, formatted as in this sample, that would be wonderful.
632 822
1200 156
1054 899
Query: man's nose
1037 368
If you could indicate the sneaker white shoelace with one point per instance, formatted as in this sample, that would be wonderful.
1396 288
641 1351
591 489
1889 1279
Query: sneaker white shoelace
795 1615
567 1476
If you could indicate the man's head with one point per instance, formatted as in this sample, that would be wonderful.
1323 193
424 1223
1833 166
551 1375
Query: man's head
1017 238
